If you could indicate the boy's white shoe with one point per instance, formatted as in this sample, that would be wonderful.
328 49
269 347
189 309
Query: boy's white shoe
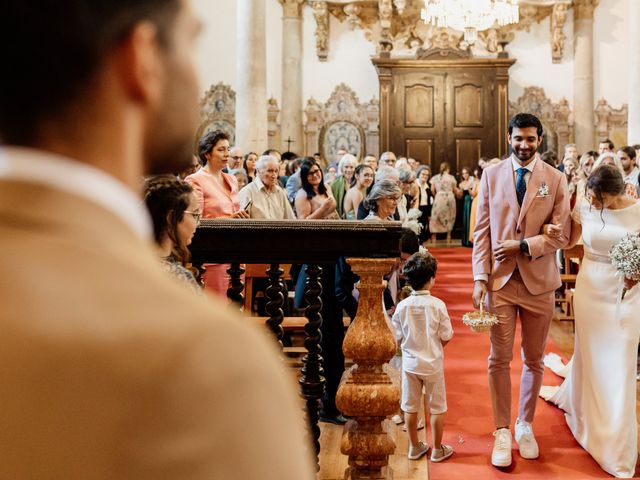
527 444
501 454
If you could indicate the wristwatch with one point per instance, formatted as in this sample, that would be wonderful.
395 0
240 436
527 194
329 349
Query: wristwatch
524 247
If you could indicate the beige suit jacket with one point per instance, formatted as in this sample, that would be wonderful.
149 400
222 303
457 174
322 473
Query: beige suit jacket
500 218
110 370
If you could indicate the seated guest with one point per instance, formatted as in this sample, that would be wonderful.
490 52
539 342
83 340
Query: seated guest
344 182
314 200
610 158
388 159
235 158
364 178
293 182
264 198
217 194
372 161
287 167
173 208
331 173
241 177
193 168
382 201
384 173
249 165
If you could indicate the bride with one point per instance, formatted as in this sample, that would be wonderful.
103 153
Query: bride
599 391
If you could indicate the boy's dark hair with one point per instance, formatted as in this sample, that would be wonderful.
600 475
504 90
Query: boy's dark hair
419 269
50 51
409 242
525 120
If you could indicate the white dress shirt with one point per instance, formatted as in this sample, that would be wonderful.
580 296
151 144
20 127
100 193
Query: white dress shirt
632 178
56 171
272 205
421 324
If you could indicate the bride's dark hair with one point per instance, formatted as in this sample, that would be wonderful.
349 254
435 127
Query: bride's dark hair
605 179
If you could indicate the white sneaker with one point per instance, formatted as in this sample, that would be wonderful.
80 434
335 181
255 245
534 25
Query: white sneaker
415 453
501 454
527 444
397 419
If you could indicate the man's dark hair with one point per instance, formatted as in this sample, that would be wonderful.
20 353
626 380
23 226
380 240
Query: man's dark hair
288 156
608 142
271 151
419 269
525 120
51 50
208 142
409 242
630 151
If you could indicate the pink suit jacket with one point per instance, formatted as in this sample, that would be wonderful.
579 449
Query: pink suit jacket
500 218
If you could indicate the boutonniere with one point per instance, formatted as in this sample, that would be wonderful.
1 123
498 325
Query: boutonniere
543 191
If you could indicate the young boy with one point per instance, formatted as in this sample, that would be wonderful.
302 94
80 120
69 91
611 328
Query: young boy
423 328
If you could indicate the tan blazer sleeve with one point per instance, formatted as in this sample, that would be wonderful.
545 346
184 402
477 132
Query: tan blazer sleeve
225 410
540 244
482 233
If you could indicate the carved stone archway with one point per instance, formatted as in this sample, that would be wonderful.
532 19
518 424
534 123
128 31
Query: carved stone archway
342 122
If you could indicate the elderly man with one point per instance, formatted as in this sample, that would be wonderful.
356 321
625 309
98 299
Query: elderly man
264 198
388 158
372 161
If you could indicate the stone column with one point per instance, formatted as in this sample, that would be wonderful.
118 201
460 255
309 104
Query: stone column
251 76
583 103
633 135
291 113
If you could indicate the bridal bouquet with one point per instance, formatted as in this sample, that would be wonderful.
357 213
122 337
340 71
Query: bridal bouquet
625 256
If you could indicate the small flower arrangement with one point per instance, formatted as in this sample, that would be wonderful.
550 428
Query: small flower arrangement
625 256
543 191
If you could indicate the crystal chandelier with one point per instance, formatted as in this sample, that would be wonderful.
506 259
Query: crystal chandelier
470 16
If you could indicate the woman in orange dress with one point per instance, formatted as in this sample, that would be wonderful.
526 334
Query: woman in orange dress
217 194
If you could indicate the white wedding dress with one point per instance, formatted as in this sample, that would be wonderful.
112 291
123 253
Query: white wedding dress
599 391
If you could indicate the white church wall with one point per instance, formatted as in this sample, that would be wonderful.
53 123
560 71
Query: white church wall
611 51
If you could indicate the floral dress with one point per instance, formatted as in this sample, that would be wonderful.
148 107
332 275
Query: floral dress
443 212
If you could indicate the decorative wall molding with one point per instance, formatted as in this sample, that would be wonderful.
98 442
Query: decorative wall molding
218 111
342 122
395 25
556 118
612 122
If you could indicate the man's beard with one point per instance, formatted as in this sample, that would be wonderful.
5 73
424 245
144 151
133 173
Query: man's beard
525 156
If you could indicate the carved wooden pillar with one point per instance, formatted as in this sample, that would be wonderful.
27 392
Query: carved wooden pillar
312 380
275 300
367 395
236 287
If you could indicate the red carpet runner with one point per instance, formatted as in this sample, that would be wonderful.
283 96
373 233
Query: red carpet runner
469 420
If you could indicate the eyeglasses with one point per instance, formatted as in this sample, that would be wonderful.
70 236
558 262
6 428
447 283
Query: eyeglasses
196 215
314 172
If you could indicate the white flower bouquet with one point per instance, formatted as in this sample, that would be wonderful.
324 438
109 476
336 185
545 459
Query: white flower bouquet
481 321
625 256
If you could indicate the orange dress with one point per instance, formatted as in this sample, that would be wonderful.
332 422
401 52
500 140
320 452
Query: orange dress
215 201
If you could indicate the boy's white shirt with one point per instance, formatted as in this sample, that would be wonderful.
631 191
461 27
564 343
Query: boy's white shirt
421 324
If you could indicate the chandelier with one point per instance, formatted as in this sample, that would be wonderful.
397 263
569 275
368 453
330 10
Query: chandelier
470 16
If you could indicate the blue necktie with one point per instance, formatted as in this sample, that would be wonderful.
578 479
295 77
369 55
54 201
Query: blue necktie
521 186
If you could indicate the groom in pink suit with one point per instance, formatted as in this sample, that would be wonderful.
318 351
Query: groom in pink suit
514 266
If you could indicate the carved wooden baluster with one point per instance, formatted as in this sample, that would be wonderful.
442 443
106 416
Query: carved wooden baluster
312 379
275 301
367 395
236 287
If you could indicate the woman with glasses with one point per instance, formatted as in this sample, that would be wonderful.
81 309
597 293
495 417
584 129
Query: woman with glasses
314 200
382 201
217 194
174 211
364 175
